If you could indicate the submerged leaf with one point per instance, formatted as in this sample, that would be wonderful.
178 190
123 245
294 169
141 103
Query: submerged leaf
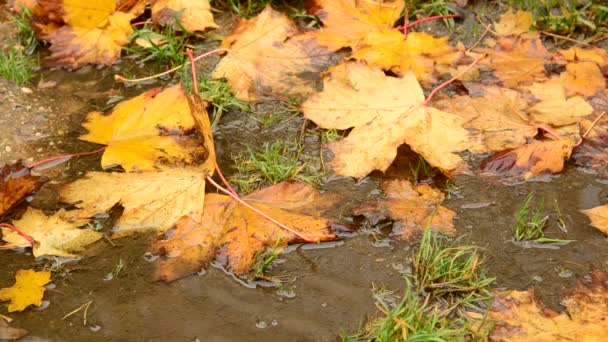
28 289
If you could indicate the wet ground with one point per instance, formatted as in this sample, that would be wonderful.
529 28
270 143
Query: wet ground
325 291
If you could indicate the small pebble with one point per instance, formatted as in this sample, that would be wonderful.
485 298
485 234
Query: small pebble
26 90
8 149
261 325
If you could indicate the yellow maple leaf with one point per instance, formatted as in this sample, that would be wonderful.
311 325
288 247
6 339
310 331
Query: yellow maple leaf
152 201
583 78
577 54
87 14
414 209
193 15
554 108
54 235
266 59
28 289
143 130
598 217
514 23
383 117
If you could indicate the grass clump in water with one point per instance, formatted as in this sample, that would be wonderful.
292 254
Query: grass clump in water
446 287
532 228
15 66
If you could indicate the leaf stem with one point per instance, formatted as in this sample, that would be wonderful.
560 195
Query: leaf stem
444 84
20 232
424 20
68 156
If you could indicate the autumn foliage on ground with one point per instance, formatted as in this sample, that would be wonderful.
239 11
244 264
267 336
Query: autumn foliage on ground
507 96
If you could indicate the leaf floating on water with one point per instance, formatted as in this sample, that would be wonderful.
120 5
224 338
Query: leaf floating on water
598 217
27 290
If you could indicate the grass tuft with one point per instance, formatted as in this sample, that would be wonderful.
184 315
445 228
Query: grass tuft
15 66
533 228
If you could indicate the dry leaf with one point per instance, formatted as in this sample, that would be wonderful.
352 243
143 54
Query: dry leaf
234 233
553 108
531 159
519 317
266 58
152 201
412 208
145 130
516 60
497 120
598 217
385 113
28 289
583 78
514 23
16 182
348 22
53 234
193 15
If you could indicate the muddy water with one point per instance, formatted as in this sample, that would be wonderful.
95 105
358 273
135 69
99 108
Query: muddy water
325 291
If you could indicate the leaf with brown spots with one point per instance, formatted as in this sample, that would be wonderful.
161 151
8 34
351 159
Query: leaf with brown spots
192 15
413 208
234 233
16 182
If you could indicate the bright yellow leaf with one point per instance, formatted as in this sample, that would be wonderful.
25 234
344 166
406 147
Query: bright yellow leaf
28 289
87 14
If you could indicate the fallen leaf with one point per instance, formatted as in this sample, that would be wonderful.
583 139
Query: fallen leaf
519 317
8 333
16 182
577 54
598 217
266 58
28 289
347 22
152 201
496 119
592 154
583 78
554 108
514 23
516 60
383 116
146 130
53 234
530 160
93 33
233 233
412 208
192 15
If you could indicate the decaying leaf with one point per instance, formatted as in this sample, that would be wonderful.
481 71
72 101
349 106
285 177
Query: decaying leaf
16 182
531 159
28 289
584 78
146 130
598 217
592 154
412 208
496 120
152 201
94 33
384 116
53 234
514 23
516 60
553 108
192 15
266 58
233 233
9 333
519 317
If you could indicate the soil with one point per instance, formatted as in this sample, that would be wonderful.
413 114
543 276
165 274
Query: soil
325 291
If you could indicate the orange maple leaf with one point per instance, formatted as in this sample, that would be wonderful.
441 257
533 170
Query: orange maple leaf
16 182
193 15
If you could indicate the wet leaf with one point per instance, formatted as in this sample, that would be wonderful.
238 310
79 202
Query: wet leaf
152 201
514 23
517 60
144 131
53 234
383 116
16 182
8 333
592 154
266 58
413 208
598 217
577 54
584 78
234 233
530 160
554 108
192 15
496 119
28 289
520 317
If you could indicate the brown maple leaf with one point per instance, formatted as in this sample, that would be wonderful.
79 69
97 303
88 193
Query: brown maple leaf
234 234
383 116
592 154
412 208
16 182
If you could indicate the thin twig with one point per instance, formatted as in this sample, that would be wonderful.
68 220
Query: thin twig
479 39
601 39
444 84
120 78
593 124
84 306
48 160
20 232
544 33
236 198
6 318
